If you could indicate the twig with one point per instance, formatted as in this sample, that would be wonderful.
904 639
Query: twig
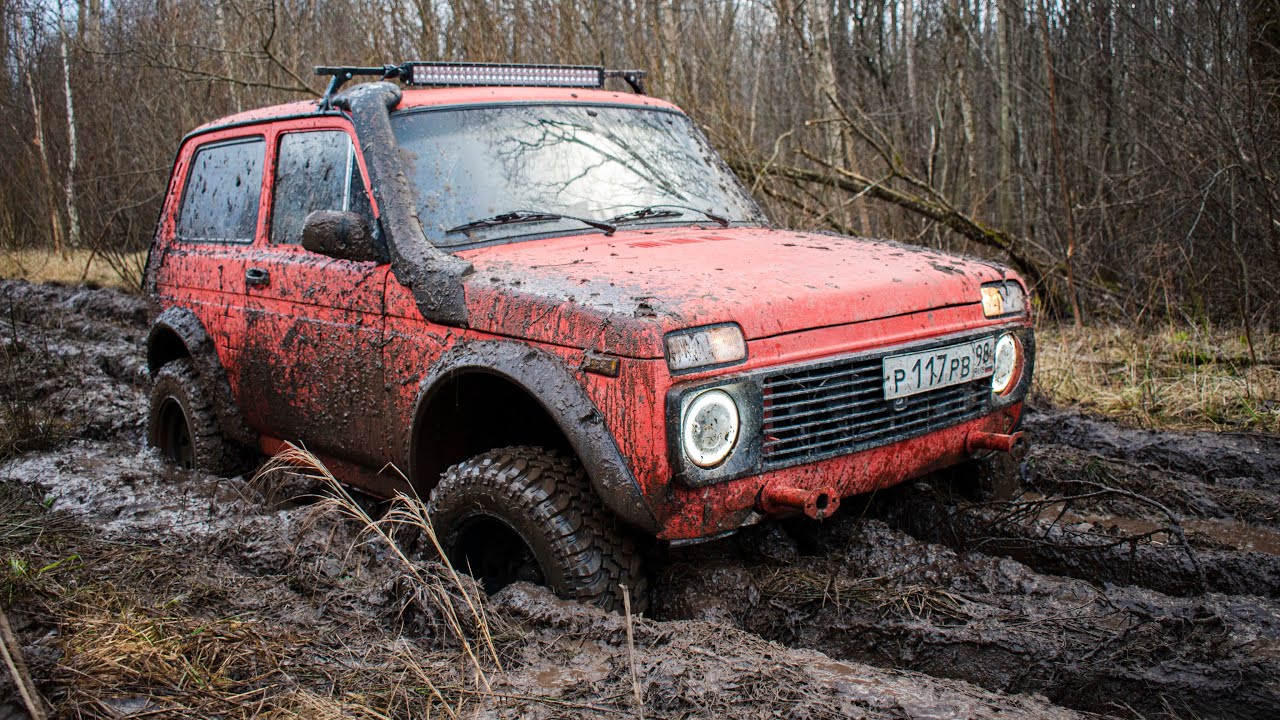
1175 526
631 652
12 653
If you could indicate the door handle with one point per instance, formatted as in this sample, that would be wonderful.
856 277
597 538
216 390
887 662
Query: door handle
257 276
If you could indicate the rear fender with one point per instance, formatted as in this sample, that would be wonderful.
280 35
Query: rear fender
177 332
546 379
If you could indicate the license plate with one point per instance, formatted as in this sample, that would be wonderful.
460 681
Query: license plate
938 368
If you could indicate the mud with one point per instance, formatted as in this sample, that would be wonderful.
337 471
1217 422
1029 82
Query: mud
1135 577
1121 582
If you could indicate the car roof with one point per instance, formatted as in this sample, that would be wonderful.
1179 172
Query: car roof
428 97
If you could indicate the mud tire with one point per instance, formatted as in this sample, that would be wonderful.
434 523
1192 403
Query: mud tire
178 396
583 552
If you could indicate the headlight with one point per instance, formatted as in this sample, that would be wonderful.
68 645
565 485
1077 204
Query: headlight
705 347
1003 298
709 428
1006 364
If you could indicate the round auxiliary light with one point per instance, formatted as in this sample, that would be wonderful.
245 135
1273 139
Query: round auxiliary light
1006 364
710 428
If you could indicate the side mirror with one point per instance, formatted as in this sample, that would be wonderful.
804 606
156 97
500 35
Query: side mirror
341 235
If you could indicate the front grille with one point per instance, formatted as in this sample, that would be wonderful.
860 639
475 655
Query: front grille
832 409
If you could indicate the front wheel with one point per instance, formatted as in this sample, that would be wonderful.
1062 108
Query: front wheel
528 514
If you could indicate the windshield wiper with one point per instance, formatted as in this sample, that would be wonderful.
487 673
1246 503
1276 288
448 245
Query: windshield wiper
527 216
658 211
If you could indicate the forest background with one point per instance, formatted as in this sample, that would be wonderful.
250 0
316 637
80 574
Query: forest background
1122 155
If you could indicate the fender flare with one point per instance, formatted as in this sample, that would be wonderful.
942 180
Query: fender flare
548 381
184 324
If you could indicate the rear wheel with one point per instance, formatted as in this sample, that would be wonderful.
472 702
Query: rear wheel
528 514
182 424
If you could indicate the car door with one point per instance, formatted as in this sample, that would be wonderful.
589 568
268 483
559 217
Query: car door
206 236
315 323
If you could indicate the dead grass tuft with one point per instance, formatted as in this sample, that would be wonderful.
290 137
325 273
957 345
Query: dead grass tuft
886 597
125 655
28 420
25 427
122 271
1175 378
459 602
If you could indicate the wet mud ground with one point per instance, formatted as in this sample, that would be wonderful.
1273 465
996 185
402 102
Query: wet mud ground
1137 575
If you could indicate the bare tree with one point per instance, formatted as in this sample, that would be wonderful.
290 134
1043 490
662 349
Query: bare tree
1124 154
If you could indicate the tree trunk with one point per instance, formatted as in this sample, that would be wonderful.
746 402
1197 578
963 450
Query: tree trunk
1061 162
909 33
965 225
42 152
1006 141
73 149
960 38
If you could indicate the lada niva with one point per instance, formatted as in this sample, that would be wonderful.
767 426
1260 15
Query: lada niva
554 309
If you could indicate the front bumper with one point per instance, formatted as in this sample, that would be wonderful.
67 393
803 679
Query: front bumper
874 443
693 513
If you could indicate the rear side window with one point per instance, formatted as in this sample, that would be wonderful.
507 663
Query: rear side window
220 199
314 171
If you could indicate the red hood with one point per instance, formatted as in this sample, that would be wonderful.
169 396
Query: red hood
623 293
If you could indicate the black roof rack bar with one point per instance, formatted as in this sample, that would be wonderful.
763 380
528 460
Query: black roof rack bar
340 75
481 74
634 78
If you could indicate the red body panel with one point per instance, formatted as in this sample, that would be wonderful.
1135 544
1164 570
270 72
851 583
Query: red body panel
623 293
334 353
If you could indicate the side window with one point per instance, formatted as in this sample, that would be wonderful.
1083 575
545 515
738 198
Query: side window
220 198
314 171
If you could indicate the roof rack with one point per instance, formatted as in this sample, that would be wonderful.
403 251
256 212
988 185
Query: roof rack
446 74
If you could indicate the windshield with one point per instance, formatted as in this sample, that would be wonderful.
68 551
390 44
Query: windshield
501 173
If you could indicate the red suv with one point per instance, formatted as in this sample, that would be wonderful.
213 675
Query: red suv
559 313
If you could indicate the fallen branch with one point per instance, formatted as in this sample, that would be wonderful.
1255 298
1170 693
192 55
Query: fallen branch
946 215
12 653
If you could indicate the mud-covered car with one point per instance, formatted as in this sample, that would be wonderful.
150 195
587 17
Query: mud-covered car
558 313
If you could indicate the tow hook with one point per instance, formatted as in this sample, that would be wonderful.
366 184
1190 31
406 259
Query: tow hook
1000 442
817 504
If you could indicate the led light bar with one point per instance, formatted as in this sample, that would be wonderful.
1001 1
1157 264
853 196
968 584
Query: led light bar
474 74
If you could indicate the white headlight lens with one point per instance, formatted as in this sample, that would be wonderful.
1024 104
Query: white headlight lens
710 428
1006 364
705 346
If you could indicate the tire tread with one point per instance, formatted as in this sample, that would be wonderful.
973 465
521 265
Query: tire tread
594 551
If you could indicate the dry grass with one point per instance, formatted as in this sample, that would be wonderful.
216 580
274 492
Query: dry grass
140 632
122 271
1184 377
407 516
886 596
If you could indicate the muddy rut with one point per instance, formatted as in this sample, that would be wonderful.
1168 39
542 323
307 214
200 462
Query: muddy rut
1135 576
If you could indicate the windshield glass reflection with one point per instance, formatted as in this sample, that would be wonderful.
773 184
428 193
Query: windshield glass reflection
472 165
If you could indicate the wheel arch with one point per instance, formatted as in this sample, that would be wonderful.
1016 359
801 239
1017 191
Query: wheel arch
549 408
177 333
